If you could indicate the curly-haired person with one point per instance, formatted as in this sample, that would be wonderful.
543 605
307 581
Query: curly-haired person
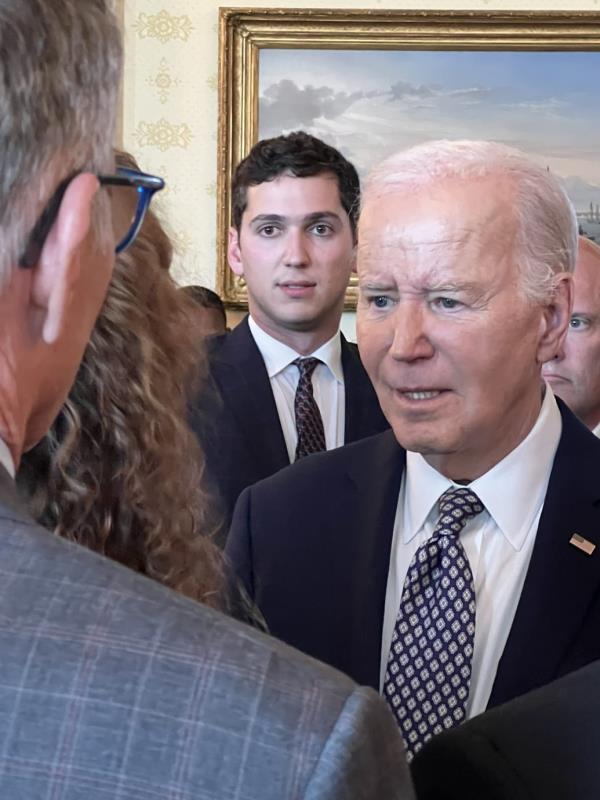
120 471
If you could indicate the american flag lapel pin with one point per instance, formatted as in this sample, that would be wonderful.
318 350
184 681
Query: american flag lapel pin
582 544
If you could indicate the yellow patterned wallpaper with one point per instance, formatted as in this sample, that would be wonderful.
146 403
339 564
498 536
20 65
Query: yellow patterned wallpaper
170 104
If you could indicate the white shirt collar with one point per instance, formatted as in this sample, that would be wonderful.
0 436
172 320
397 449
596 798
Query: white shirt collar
277 355
513 491
596 430
6 459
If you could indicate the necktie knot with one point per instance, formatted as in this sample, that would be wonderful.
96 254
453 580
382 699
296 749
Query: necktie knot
306 366
457 506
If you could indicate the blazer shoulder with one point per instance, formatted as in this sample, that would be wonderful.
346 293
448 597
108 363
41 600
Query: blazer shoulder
83 590
317 467
237 689
517 749
363 755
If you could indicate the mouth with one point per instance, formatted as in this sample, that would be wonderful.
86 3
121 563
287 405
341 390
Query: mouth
420 395
553 377
297 288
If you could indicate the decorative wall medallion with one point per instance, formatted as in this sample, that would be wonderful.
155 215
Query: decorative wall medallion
163 134
163 81
182 243
163 26
171 188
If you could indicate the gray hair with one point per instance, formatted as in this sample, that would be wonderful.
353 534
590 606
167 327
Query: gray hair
59 79
546 238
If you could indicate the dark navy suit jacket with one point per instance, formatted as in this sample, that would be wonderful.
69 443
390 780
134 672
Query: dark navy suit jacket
236 417
543 745
312 546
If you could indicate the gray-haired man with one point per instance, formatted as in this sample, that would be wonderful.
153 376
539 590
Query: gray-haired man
454 561
113 686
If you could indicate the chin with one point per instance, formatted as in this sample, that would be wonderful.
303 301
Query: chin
426 442
300 323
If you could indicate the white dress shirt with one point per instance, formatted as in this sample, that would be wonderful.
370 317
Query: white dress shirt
498 542
327 380
596 430
6 459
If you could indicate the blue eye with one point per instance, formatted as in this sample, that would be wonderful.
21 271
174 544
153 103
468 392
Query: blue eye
578 323
381 301
446 303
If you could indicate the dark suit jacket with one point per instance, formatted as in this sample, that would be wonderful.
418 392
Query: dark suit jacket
544 745
312 546
114 686
236 417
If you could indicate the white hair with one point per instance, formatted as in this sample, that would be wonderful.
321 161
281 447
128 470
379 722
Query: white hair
546 236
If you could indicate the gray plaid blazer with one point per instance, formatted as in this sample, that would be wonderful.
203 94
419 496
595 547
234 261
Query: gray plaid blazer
114 687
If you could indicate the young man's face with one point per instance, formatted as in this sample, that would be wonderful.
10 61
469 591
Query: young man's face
295 250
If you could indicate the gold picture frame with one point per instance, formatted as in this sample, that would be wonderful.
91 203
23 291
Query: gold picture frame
245 32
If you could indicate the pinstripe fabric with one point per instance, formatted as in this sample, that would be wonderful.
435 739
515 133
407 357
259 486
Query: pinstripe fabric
112 686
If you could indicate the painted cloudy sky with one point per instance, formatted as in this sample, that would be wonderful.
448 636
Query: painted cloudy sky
371 103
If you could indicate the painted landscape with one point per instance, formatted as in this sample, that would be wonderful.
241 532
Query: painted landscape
370 103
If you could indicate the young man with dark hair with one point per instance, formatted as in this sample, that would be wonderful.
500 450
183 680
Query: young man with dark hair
287 383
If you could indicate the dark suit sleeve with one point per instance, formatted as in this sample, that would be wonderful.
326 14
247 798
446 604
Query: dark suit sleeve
363 757
543 745
465 766
239 544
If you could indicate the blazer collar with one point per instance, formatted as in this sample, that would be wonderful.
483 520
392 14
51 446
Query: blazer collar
561 579
375 467
246 391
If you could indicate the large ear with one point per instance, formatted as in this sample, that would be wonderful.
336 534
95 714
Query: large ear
59 265
234 253
555 320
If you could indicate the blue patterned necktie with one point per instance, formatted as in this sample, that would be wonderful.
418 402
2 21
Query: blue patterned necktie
309 424
428 671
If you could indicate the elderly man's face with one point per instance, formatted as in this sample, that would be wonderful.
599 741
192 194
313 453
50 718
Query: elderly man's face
450 342
575 373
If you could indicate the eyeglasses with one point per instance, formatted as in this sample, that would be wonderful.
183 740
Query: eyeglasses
129 206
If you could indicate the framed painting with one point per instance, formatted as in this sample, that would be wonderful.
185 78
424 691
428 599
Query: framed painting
373 82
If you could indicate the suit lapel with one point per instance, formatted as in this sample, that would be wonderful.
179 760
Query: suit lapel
246 391
377 484
561 580
353 383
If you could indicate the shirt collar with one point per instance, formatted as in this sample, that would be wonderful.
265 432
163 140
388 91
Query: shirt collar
6 459
522 476
277 355
596 430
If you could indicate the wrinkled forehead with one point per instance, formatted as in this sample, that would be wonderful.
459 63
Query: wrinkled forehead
448 223
587 276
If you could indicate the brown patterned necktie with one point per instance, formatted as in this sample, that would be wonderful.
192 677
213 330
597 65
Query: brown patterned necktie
309 424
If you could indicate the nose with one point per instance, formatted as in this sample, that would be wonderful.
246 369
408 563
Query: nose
295 253
410 342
